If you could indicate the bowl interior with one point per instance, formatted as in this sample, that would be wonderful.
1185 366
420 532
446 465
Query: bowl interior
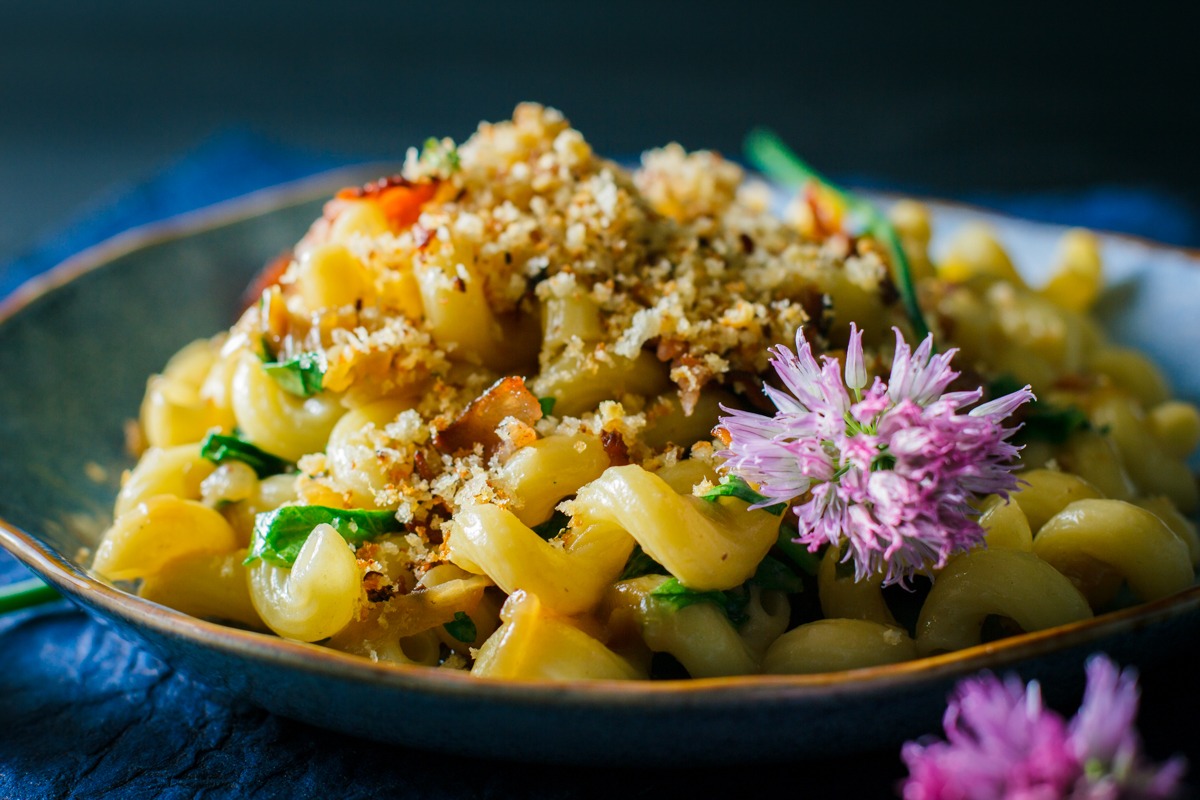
74 359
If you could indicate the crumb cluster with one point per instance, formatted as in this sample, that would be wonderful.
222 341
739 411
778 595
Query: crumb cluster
675 270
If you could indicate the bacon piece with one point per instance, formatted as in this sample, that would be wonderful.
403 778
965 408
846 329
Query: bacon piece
477 424
827 219
400 198
378 589
722 435
615 448
421 465
669 349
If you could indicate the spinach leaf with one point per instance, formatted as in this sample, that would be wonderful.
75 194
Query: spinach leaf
441 156
553 526
279 534
1043 421
675 595
796 552
462 627
547 404
770 156
302 375
733 486
640 564
773 575
1053 424
219 448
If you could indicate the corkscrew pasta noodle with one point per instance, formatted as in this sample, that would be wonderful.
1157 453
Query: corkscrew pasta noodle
205 585
280 422
1090 536
1009 584
474 424
157 531
832 645
567 578
532 644
176 471
699 636
317 596
842 597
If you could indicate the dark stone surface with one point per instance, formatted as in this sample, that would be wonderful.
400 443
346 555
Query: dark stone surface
87 714
949 98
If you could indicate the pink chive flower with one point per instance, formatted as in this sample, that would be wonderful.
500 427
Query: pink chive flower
890 471
1003 744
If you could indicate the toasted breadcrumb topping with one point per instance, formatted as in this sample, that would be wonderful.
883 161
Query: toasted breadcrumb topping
678 266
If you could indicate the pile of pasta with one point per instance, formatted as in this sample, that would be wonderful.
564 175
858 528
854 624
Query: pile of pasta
468 423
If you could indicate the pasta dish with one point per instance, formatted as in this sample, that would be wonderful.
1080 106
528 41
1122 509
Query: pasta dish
522 411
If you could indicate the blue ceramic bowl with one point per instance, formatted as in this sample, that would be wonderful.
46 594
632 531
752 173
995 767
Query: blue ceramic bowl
77 346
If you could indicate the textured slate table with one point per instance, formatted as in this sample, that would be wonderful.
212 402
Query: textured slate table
85 713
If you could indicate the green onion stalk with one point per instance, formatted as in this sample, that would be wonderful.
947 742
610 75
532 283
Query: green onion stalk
24 594
774 159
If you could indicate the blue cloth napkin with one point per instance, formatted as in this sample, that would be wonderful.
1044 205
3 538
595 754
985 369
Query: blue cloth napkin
85 713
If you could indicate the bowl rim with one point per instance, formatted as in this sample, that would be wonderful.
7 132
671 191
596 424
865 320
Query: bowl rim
77 585
74 582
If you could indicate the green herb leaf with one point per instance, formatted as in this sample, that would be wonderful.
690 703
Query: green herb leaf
640 564
770 156
219 448
795 552
733 486
279 534
773 575
675 595
1053 424
553 526
441 155
26 593
844 570
462 628
302 375
547 404
1042 421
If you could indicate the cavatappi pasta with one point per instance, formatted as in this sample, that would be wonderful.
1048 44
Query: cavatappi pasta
470 426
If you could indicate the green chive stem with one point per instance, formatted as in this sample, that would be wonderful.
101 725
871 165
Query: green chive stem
770 156
25 594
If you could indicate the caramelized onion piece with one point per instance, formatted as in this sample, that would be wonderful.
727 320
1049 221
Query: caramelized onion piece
399 198
477 424
615 448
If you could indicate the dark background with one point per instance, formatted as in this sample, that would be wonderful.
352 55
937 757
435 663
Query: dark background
962 101
948 100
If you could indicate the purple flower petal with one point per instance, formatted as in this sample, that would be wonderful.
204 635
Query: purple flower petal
1002 743
1106 717
892 474
1105 740
856 372
1003 406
